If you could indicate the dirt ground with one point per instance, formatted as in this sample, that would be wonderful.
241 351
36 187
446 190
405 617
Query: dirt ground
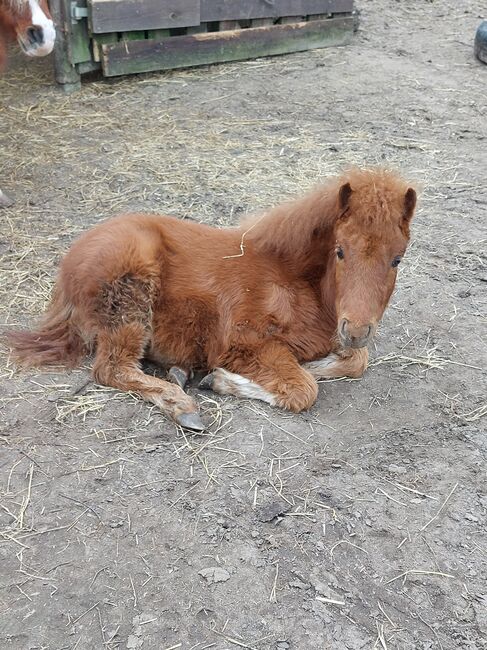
360 524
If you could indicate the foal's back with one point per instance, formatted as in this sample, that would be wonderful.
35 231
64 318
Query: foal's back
180 256
179 266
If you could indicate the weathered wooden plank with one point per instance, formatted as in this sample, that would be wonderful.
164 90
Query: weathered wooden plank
66 72
127 15
217 47
79 39
88 66
213 10
99 40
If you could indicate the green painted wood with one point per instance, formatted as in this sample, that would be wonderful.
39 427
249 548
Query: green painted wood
158 34
79 38
88 66
217 47
99 40
66 73
132 36
129 15
214 10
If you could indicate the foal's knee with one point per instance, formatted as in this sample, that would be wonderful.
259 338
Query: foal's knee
116 375
357 363
298 396
103 374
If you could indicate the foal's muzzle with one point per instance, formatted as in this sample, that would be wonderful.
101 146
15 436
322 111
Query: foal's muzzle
355 336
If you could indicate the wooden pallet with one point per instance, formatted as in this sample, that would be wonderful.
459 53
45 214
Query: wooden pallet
129 36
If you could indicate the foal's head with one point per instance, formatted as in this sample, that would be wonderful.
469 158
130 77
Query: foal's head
371 233
31 23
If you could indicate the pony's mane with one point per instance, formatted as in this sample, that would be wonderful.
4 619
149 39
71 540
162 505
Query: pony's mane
16 5
378 190
289 228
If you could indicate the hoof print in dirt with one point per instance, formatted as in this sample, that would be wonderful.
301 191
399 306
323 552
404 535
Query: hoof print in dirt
272 510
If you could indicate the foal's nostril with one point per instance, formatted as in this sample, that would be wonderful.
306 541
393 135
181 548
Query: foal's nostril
35 35
354 336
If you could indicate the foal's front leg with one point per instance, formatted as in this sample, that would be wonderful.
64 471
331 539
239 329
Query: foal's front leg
346 363
270 373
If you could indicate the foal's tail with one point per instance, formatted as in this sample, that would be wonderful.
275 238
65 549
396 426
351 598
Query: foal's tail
55 342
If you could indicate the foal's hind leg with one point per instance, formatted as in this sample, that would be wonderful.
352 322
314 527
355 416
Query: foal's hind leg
271 373
119 350
178 376
350 363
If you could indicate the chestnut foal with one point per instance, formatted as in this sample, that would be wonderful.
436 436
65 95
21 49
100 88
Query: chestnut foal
269 307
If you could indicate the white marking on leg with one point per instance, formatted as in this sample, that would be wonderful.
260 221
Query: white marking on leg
350 363
321 368
39 19
229 383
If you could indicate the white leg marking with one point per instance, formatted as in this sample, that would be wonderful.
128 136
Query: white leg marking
321 367
350 363
229 383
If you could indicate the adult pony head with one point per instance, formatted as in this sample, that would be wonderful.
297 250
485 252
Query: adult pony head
30 23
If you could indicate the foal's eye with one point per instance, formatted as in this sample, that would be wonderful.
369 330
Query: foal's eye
340 253
396 261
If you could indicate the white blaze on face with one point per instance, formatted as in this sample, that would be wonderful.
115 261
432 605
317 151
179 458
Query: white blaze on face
39 19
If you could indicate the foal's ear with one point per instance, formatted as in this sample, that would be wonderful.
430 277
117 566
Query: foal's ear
409 204
344 195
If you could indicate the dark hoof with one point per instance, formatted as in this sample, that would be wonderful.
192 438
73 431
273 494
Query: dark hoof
207 382
480 46
178 376
190 421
